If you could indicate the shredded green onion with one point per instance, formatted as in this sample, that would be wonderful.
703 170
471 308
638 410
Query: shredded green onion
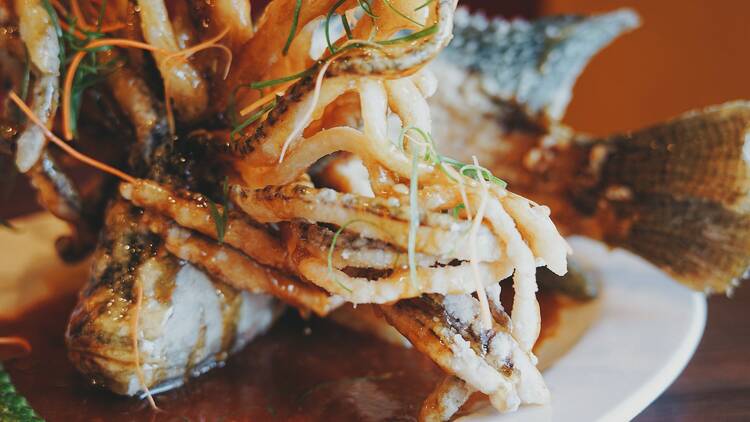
278 81
413 219
333 245
58 29
457 209
24 88
423 5
345 22
367 7
411 37
253 118
90 71
328 24
26 75
400 13
100 18
474 171
293 30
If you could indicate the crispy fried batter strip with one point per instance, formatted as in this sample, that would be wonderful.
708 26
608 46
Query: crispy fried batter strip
398 285
351 249
186 85
509 379
308 260
190 210
445 400
234 14
136 101
391 61
269 39
38 33
238 270
439 234
526 316
431 334
307 151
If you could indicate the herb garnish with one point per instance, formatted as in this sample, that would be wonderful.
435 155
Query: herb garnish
293 30
91 70
351 44
367 7
253 118
400 13
58 29
345 23
425 4
328 24
413 219
333 245
411 37
220 219
457 209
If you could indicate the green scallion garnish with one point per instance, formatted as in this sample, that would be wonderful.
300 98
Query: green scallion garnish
413 219
345 23
220 219
329 15
411 37
278 81
293 30
423 5
333 245
400 13
367 7
253 118
457 209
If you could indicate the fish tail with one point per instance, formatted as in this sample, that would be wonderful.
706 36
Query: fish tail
677 194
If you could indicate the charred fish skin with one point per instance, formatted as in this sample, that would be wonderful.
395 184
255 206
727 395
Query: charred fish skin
97 336
186 322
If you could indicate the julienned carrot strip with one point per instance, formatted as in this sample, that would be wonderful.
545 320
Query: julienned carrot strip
65 147
73 67
16 341
80 19
80 24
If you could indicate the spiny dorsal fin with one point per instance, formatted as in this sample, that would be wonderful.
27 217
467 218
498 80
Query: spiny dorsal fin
533 64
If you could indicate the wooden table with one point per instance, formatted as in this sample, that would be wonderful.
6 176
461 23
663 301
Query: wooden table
715 386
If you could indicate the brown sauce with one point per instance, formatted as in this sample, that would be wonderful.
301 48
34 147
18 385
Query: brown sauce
301 370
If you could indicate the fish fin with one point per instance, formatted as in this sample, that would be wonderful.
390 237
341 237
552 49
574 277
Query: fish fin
677 194
532 64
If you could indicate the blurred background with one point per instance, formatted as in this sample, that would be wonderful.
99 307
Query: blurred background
686 54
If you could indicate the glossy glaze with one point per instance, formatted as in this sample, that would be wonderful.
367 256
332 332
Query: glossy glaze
300 371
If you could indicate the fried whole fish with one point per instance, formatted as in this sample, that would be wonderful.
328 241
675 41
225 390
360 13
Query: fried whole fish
147 321
508 84
674 193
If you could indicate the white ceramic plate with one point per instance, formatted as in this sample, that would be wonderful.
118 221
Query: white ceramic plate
648 329
647 332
